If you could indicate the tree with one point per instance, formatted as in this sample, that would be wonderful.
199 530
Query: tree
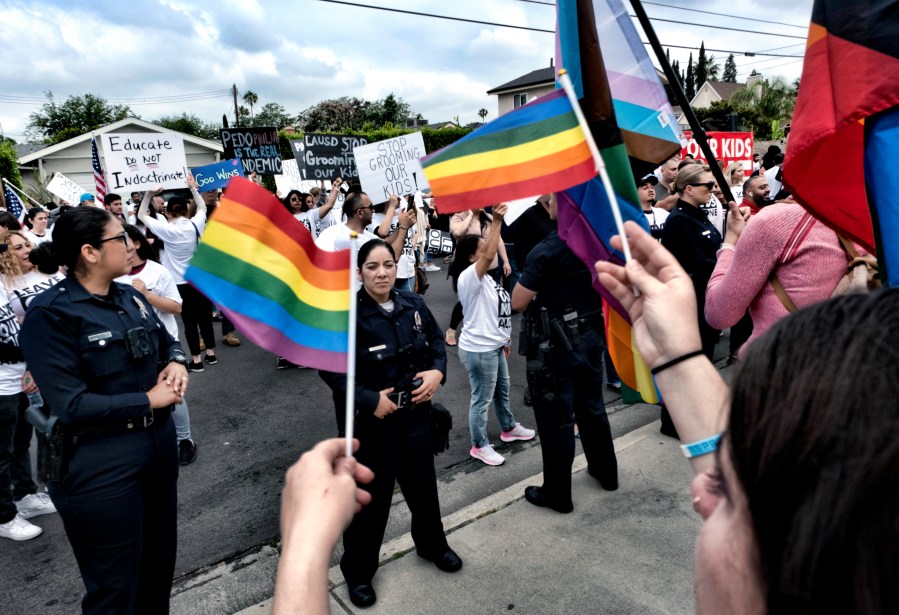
701 68
251 99
9 166
772 100
189 124
56 122
730 70
273 114
352 114
389 110
712 69
690 82
243 115
482 114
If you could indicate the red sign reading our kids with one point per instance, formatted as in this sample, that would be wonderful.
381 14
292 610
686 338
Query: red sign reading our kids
727 146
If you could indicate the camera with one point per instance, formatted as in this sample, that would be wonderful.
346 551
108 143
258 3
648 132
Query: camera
137 340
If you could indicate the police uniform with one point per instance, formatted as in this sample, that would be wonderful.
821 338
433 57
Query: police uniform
391 347
575 394
95 359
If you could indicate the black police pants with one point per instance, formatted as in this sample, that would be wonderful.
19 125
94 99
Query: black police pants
398 449
579 383
15 461
118 504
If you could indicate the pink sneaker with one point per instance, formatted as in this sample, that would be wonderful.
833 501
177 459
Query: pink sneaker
519 432
487 455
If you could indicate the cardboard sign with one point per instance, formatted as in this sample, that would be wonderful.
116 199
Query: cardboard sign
727 146
141 161
217 175
327 156
291 179
438 243
65 188
257 149
390 166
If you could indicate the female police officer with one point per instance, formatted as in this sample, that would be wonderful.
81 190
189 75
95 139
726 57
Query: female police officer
400 363
110 372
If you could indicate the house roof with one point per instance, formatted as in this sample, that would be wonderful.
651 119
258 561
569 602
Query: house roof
541 76
725 89
23 149
130 121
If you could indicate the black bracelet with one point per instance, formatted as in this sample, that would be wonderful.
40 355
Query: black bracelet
674 362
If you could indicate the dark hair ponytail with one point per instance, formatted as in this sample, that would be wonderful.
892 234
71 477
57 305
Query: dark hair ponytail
465 249
75 228
44 257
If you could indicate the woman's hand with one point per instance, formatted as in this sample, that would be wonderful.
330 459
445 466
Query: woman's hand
664 313
163 395
28 385
174 375
385 406
498 212
430 383
737 217
191 182
140 286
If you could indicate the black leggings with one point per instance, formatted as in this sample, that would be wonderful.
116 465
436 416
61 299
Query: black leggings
196 313
456 318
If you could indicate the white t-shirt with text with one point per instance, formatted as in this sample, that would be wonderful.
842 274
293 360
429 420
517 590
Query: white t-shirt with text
487 308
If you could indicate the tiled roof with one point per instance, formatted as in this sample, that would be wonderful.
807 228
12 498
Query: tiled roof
540 76
725 89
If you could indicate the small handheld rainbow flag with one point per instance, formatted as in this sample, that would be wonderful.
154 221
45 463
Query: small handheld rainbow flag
535 149
263 270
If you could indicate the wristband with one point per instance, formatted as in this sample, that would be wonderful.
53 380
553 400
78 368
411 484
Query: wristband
701 447
674 362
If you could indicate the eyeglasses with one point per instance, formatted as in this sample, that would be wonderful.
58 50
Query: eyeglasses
294 198
123 238
366 207
708 185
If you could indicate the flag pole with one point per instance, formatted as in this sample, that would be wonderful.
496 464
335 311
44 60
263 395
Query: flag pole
11 185
351 351
674 83
565 80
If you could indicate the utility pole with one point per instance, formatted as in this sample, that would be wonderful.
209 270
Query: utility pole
236 113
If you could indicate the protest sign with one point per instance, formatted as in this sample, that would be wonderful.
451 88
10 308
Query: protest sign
388 167
217 175
65 188
292 179
327 156
257 149
727 146
438 243
141 161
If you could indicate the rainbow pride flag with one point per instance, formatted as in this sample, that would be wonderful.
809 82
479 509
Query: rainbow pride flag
261 267
535 149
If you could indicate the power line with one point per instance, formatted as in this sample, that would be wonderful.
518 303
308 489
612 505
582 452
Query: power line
775 65
681 8
701 25
501 25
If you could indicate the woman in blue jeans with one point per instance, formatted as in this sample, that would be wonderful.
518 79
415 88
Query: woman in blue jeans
485 340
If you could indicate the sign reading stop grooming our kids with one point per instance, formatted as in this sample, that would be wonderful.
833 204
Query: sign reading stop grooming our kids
142 161
727 146
391 166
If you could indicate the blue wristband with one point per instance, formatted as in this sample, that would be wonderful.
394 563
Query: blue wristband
701 447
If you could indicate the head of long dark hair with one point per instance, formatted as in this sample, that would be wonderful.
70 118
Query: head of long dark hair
75 228
145 250
286 200
367 248
812 437
466 247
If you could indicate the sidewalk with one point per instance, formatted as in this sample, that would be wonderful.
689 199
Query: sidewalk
628 551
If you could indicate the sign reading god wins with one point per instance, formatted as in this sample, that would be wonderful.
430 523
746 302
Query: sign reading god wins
391 166
141 161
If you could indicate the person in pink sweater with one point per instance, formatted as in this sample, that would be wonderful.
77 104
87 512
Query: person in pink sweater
785 240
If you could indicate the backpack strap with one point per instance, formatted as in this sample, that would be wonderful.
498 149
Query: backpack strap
799 232
782 294
196 230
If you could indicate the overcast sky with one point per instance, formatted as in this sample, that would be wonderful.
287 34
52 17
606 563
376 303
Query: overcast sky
297 53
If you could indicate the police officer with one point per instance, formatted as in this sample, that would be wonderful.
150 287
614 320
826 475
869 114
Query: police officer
565 353
110 372
400 364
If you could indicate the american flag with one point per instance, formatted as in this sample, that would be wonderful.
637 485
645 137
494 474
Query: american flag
99 179
13 202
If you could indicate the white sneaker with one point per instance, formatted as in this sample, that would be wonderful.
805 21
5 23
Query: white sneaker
519 432
431 268
34 505
487 455
19 529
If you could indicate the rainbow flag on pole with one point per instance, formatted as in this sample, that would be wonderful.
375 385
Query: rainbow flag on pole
261 267
535 149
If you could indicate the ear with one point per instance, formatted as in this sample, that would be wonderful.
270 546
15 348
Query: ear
89 254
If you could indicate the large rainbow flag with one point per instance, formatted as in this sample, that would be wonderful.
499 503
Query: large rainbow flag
847 121
261 267
634 127
535 149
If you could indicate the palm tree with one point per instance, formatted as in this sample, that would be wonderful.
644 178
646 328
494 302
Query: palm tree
773 100
482 114
251 99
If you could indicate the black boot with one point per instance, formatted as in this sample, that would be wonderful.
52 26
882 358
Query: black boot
668 428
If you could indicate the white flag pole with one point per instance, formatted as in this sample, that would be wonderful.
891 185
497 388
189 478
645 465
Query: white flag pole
27 198
597 158
351 352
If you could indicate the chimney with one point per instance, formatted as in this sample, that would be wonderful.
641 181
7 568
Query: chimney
551 62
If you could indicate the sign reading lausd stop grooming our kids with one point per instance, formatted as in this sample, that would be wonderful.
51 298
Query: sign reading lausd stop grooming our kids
142 161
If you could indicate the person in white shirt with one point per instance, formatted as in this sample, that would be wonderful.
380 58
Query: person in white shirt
771 175
36 221
155 283
358 209
405 263
181 236
655 216
311 217
485 342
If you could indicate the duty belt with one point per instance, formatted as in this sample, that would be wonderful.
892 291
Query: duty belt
156 418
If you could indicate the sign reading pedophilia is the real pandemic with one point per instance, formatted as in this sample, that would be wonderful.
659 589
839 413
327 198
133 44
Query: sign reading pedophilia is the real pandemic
256 148
141 161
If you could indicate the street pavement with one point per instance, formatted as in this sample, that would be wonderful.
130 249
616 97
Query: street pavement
251 422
